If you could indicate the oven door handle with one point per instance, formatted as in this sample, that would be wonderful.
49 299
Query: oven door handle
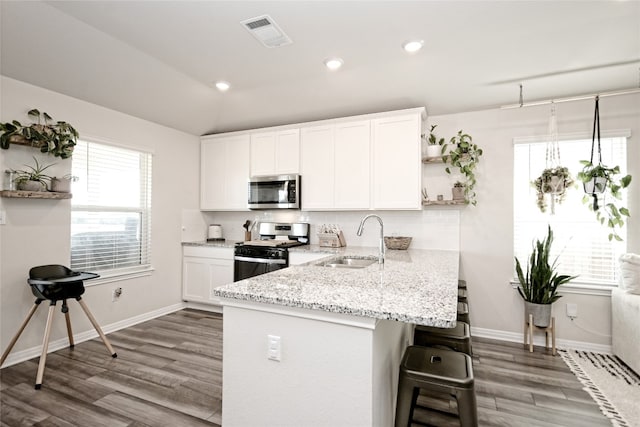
260 260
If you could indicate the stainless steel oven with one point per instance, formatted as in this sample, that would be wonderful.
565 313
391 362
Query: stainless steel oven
274 192
250 261
270 252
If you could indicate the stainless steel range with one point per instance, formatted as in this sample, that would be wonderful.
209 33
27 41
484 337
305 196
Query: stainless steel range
270 252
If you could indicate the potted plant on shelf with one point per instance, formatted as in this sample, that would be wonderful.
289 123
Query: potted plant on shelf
457 192
435 146
464 155
34 178
62 184
603 180
539 284
554 182
57 138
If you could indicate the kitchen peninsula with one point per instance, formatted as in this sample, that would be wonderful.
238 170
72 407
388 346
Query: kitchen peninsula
316 346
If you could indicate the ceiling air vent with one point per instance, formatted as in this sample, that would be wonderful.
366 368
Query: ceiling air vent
266 31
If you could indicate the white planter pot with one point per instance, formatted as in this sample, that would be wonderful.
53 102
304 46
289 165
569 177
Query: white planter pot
596 185
434 151
61 185
541 314
32 186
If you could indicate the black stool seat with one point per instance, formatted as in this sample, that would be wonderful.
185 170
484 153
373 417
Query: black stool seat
457 338
438 370
56 283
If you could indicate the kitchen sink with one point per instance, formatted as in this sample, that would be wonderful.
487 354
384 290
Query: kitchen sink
348 262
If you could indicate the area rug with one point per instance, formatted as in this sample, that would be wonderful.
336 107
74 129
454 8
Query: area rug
612 384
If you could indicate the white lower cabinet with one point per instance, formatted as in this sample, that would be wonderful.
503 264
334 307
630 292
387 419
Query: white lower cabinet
204 268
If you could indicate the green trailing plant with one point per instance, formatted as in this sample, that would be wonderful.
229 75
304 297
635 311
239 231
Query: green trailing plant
464 155
33 173
603 180
540 283
56 138
554 182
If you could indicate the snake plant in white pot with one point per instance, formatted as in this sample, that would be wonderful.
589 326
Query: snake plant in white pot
539 284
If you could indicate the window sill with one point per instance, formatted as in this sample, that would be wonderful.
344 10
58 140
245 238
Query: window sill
117 276
580 288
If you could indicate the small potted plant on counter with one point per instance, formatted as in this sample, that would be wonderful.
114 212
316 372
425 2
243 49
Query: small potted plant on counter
602 181
539 284
33 178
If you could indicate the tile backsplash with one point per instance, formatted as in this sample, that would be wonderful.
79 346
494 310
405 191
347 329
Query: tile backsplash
430 229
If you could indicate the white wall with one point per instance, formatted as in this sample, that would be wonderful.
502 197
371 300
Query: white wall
486 233
37 231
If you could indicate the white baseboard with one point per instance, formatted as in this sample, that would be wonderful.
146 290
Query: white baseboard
204 307
538 340
30 353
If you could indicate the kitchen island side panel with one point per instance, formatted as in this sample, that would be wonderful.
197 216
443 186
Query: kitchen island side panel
329 373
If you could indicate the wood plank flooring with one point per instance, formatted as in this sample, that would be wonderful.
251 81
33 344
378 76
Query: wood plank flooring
169 373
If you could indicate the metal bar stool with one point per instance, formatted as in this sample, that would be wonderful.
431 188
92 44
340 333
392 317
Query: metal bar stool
457 338
439 370
463 313
463 296
56 283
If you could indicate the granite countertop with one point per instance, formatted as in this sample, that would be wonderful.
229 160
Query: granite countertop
214 243
415 286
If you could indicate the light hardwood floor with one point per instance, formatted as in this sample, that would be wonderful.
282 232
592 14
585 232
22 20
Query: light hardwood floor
169 373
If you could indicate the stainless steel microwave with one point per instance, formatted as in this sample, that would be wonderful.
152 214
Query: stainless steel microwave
274 192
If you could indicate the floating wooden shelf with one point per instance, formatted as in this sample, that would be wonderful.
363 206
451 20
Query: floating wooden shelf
25 142
437 159
444 202
18 194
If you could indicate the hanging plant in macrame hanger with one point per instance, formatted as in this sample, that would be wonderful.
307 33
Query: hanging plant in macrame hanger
555 179
599 181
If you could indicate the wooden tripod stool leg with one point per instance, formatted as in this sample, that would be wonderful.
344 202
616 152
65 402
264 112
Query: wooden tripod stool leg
45 345
65 310
553 336
530 333
97 327
17 335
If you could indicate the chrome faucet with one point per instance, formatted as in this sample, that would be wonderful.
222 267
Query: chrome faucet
381 253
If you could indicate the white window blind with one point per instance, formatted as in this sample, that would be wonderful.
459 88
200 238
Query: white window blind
111 208
579 239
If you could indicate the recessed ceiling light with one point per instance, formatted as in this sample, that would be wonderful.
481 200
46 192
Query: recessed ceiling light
223 86
333 63
413 46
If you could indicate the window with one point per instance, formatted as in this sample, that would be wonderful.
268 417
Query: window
111 209
580 241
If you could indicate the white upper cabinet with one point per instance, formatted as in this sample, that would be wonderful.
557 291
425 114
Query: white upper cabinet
335 166
275 153
352 169
397 166
224 172
317 167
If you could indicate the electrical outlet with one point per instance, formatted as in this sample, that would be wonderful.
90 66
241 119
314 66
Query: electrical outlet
116 294
572 310
274 349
